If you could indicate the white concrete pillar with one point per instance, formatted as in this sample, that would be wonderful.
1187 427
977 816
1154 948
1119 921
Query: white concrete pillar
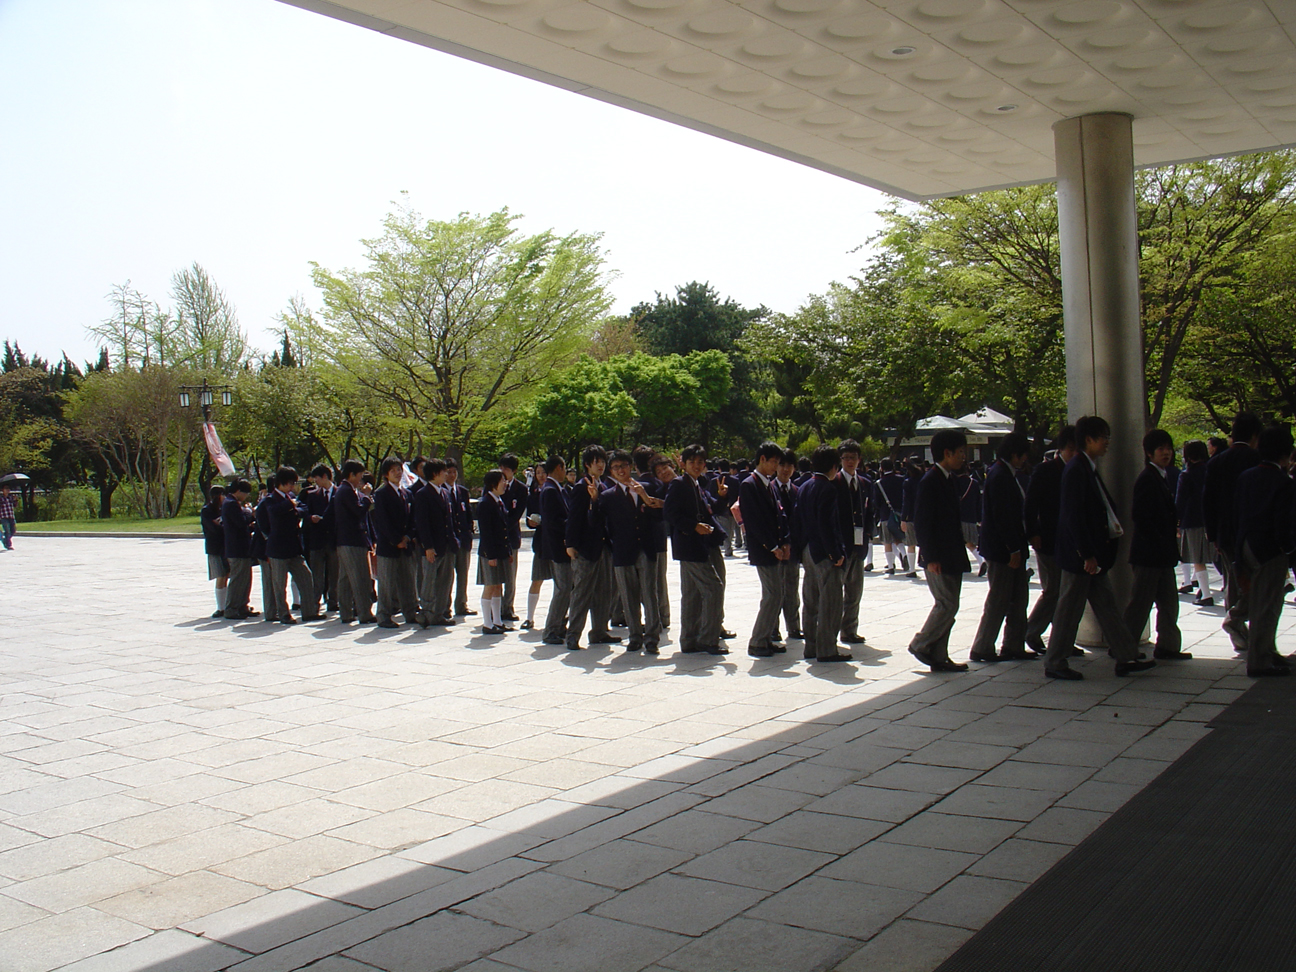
1098 234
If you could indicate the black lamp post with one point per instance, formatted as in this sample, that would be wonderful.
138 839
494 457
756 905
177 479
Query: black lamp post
205 393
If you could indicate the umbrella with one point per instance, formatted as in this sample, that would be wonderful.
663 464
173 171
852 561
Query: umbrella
15 478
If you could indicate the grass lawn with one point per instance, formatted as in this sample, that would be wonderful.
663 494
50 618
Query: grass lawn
180 524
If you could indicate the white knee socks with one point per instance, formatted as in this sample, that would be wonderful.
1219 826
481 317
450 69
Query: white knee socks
1203 584
890 556
532 601
1187 570
220 598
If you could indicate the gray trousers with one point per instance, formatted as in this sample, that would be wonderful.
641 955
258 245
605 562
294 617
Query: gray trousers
1005 607
355 586
790 578
852 591
463 558
435 587
239 587
1266 604
663 588
1075 592
510 585
730 528
280 569
821 598
396 588
932 640
701 596
1237 604
591 594
269 609
556 619
718 565
324 569
1041 615
638 587
771 602
1155 585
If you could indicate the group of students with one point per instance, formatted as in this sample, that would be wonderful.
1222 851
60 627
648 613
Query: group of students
808 525
1232 505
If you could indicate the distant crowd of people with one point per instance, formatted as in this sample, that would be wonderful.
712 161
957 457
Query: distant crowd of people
400 544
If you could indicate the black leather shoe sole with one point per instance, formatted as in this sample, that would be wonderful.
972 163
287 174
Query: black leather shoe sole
1066 674
1129 668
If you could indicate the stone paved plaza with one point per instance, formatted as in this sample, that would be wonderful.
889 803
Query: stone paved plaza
185 795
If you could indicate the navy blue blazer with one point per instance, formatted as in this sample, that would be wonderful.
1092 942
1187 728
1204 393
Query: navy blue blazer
461 515
764 522
1043 500
937 524
586 530
818 511
1003 519
515 506
280 522
687 505
631 526
1082 519
213 532
351 516
1218 506
657 490
316 502
787 497
1154 542
1188 497
852 510
236 524
909 506
969 487
432 522
492 518
1263 499
553 523
391 516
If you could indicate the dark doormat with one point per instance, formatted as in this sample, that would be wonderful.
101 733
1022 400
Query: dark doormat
1197 873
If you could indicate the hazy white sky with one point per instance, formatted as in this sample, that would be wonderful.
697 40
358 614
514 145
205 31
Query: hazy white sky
137 136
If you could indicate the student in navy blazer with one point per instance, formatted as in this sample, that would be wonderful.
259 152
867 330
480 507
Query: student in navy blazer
591 563
391 520
1154 549
280 520
1266 540
631 515
853 496
494 551
938 530
461 511
1220 512
790 570
434 528
236 524
818 515
350 507
319 537
769 546
1043 501
1004 547
696 537
514 499
553 548
1088 537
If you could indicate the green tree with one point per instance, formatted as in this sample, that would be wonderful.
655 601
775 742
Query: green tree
452 324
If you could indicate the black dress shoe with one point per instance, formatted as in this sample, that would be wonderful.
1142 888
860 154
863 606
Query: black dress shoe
716 650
834 657
889 570
508 617
608 639
577 646
777 647
985 566
528 625
1204 601
852 639
498 629
554 641
1167 655
1077 652
465 613
633 647
1188 588
1129 668
985 659
922 656
761 652
219 614
868 568
795 636
949 666
368 620
387 624
287 619
913 574
1066 674
295 607
692 651
650 650
727 635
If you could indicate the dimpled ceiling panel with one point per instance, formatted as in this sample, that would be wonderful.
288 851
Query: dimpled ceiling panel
919 98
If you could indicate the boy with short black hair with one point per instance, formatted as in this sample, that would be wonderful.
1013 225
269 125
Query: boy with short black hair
1265 540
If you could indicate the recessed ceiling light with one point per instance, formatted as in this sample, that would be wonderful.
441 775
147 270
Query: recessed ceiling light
1006 108
902 51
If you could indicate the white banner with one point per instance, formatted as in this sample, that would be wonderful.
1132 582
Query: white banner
217 451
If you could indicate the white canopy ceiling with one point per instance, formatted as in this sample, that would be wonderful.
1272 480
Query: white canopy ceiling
919 98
